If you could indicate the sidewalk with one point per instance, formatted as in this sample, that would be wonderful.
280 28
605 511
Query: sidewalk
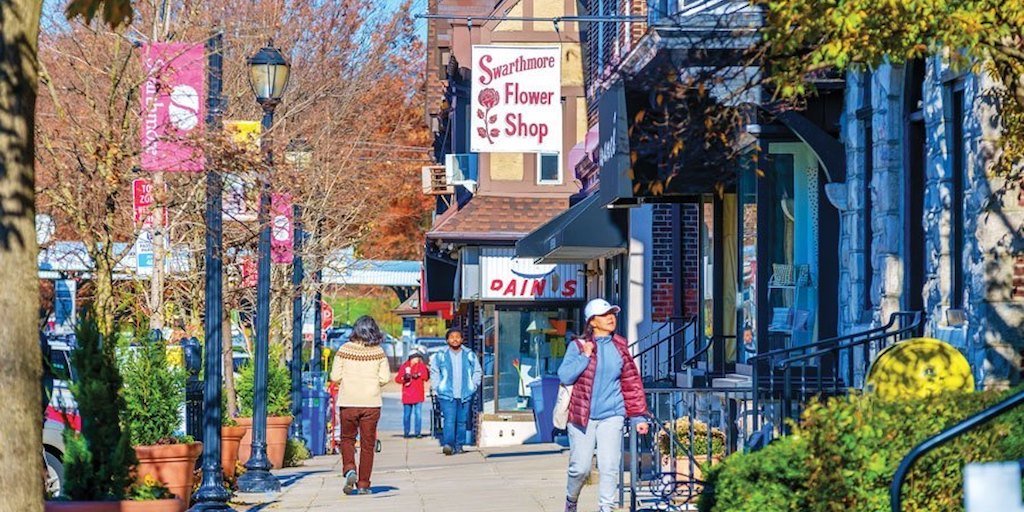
413 476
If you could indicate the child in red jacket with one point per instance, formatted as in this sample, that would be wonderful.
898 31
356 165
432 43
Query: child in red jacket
412 375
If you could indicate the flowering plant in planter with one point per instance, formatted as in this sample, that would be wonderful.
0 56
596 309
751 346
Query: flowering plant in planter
681 429
149 489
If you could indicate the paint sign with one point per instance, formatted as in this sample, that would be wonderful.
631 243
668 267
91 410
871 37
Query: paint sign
282 230
505 277
172 106
516 99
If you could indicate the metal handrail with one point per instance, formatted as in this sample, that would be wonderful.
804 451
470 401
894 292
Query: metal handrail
896 489
692 361
829 341
785 363
658 330
671 335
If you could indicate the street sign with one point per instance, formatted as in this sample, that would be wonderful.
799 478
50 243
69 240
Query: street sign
326 315
144 253
142 204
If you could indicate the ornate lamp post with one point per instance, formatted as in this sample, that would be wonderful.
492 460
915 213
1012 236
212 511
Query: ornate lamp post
212 496
268 76
298 154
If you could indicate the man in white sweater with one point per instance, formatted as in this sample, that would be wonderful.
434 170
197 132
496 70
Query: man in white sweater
361 370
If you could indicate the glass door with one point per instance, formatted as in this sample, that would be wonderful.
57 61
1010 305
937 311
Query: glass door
529 344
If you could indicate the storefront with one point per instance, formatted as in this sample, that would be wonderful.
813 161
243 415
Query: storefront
523 313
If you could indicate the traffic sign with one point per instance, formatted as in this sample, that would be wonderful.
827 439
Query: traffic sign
326 315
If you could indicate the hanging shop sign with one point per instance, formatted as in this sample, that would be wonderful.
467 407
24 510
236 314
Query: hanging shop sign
282 231
172 106
517 99
505 277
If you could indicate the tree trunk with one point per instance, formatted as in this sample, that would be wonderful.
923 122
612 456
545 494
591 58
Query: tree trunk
103 305
229 366
20 359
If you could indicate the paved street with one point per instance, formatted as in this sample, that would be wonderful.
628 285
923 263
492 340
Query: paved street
413 475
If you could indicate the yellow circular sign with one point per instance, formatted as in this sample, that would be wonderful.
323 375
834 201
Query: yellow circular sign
919 367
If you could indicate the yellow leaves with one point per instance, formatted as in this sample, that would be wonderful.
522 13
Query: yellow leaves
677 147
639 117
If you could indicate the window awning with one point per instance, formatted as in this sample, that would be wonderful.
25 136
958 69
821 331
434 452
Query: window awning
587 231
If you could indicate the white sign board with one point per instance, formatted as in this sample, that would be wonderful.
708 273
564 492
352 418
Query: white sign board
144 253
505 277
516 99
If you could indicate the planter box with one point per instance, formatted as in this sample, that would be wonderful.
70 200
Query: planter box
230 439
277 438
172 505
172 464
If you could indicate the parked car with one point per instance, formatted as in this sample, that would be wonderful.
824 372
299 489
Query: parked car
61 411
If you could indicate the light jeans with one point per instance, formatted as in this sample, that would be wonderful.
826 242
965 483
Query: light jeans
412 415
606 436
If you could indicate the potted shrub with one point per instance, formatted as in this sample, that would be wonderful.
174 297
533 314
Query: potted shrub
231 434
279 407
154 395
98 459
705 439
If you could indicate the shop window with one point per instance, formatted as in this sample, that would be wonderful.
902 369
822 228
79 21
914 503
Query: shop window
528 344
549 169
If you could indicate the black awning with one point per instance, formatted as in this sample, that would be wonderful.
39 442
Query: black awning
587 231
440 275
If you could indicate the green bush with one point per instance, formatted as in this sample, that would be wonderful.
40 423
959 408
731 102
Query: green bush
154 393
295 452
700 438
844 454
279 388
97 460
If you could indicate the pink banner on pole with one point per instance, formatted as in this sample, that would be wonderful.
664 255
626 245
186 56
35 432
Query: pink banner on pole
282 232
172 106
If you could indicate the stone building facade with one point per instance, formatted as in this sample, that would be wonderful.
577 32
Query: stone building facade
922 226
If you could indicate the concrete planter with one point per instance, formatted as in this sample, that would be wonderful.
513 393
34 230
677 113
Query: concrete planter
277 438
171 505
230 440
172 464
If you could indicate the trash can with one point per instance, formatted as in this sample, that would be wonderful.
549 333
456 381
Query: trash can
316 403
544 392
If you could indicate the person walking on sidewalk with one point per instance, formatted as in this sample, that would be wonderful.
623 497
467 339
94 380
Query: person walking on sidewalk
607 389
412 375
361 370
455 372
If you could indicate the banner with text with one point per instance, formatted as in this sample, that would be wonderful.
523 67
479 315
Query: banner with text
241 190
507 278
172 106
516 99
282 232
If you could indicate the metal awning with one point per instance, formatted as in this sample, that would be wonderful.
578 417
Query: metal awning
587 231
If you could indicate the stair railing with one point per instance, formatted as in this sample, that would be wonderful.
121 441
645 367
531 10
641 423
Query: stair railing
662 353
794 390
665 471
965 426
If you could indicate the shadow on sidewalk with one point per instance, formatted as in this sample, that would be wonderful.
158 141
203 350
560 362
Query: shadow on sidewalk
293 478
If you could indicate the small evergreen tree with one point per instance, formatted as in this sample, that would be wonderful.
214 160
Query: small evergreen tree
98 460
154 393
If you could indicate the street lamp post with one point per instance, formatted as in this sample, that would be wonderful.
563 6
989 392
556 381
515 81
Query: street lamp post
268 75
298 154
212 496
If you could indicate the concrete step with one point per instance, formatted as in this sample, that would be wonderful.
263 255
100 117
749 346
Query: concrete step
732 380
993 486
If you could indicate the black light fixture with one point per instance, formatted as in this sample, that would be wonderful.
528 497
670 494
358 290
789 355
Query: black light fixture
268 74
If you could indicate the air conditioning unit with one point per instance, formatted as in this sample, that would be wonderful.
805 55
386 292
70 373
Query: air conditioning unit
435 181
462 169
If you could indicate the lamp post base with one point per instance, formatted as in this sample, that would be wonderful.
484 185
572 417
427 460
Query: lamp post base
258 481
211 507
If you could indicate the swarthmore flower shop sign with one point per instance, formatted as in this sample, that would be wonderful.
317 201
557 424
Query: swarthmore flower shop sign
517 99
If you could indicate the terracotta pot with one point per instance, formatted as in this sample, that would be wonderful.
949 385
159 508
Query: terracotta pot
277 438
683 475
230 437
82 506
171 505
172 464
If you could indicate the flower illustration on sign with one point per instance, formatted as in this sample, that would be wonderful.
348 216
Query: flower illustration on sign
488 99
